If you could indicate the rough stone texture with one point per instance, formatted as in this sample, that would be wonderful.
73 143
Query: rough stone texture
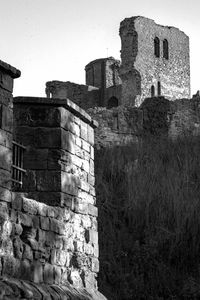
104 73
117 126
177 118
11 288
50 241
83 95
102 84
140 68
110 84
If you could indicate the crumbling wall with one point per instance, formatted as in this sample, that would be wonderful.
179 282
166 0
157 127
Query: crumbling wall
84 96
117 126
141 68
179 118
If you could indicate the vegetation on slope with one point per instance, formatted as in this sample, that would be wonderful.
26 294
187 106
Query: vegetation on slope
148 197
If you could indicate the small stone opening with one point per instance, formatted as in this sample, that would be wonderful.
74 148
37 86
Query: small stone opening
159 88
112 102
157 47
165 49
152 91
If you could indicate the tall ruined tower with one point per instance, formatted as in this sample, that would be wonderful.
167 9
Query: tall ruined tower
155 61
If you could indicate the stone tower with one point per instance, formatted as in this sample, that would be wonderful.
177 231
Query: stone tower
155 61
103 73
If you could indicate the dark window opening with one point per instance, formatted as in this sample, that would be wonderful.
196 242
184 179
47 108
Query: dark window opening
159 88
152 91
165 49
17 166
112 102
157 47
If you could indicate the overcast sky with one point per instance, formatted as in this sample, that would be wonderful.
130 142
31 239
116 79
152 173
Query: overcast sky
55 39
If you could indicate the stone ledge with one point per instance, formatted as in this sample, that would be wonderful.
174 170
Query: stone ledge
15 289
13 72
68 104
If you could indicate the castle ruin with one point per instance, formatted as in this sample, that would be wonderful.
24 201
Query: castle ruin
48 212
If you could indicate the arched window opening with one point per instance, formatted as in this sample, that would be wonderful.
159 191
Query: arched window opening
152 91
157 47
112 102
159 88
165 49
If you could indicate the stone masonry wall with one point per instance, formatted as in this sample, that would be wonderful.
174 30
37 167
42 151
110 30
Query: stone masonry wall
7 74
84 96
141 69
49 228
117 126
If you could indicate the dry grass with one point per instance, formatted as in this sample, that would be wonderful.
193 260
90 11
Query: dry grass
149 224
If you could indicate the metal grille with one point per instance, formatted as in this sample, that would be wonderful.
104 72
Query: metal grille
17 166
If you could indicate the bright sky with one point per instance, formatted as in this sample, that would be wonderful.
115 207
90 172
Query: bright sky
55 39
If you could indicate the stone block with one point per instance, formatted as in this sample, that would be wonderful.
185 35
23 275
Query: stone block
62 258
84 131
6 139
92 210
5 158
91 167
87 198
5 179
94 264
48 137
57 226
92 152
26 135
54 159
17 201
91 179
29 181
69 183
90 136
91 236
7 119
57 274
5 194
37 116
85 146
48 273
18 248
81 207
35 159
30 206
75 279
17 228
25 219
78 141
44 221
48 180
37 272
67 141
89 279
28 253
85 166
9 263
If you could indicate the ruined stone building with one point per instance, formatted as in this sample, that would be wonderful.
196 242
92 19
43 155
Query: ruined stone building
48 214
155 61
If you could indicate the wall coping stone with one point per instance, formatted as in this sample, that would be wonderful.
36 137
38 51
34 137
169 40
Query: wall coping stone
13 72
12 288
66 103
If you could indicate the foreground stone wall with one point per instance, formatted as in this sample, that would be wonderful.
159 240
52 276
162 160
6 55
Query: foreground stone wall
141 69
58 240
7 75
